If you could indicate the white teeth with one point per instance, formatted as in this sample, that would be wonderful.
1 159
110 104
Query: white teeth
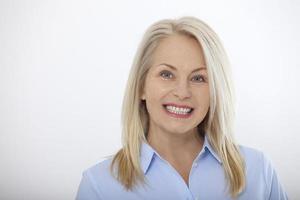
177 110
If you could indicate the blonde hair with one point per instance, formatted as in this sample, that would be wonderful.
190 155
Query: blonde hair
218 123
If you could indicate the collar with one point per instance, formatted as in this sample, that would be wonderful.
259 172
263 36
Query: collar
147 154
211 149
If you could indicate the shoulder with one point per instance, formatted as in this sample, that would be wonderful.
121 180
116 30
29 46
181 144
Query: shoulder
251 155
100 173
256 159
101 178
97 181
99 168
260 173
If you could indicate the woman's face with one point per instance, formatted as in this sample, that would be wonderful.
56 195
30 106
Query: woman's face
176 86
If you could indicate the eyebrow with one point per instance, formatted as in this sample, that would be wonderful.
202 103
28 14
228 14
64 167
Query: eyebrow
172 67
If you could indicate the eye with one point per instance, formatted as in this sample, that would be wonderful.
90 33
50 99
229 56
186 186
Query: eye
199 78
166 74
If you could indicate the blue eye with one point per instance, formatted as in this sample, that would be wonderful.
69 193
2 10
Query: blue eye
199 78
166 74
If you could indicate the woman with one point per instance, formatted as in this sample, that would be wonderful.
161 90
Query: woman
177 119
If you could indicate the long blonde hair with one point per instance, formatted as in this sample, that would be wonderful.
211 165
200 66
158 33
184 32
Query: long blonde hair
218 123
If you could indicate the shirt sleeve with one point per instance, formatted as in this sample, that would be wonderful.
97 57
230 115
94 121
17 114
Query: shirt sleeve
87 189
275 190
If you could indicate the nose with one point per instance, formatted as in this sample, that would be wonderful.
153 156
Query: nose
182 90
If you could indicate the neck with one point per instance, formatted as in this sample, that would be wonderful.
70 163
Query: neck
175 146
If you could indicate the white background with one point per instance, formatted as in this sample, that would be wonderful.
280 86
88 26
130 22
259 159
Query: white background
64 65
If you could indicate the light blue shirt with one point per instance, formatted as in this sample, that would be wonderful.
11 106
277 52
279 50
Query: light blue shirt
206 179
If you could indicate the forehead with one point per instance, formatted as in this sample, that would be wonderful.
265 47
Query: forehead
180 50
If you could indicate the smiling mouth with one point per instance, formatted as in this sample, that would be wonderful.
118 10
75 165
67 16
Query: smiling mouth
177 110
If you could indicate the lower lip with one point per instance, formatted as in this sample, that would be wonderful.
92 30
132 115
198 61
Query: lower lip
178 115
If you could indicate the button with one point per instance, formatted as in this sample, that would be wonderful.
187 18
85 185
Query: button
195 164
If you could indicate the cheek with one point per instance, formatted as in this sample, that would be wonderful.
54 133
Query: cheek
203 98
156 90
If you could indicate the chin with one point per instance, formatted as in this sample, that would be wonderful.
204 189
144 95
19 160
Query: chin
179 131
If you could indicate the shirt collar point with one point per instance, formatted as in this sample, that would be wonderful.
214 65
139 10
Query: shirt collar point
208 147
146 156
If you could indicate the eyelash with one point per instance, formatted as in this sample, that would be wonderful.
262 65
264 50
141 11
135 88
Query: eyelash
167 72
